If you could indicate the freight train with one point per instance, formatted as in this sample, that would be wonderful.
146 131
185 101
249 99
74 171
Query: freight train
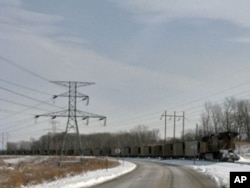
219 147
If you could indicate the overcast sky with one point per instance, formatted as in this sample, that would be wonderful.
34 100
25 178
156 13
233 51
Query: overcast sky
144 56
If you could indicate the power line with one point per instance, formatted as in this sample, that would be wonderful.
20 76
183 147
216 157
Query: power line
214 94
26 126
7 111
220 101
24 87
20 104
136 118
22 111
28 97
126 122
10 62
13 125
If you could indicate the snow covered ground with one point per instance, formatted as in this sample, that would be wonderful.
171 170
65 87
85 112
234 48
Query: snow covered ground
219 172
27 158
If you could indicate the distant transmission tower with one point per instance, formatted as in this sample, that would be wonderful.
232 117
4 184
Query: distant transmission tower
72 114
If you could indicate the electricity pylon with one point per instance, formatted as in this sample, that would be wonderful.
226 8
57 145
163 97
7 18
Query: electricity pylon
72 113
175 116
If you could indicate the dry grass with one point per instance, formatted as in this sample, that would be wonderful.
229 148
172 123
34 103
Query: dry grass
37 171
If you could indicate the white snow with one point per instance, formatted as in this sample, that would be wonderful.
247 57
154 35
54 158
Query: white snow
18 159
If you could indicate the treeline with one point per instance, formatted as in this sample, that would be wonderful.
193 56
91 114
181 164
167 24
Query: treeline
137 136
231 115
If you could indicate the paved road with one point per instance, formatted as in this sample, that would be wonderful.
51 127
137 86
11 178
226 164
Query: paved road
152 175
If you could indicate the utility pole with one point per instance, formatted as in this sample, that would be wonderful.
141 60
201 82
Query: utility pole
72 113
174 116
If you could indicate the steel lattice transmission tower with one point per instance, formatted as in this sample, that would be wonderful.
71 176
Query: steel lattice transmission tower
72 113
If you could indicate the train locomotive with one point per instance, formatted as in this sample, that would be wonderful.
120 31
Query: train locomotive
220 146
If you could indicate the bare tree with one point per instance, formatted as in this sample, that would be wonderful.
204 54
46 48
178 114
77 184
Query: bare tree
216 115
190 135
142 135
229 108
232 115
206 119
